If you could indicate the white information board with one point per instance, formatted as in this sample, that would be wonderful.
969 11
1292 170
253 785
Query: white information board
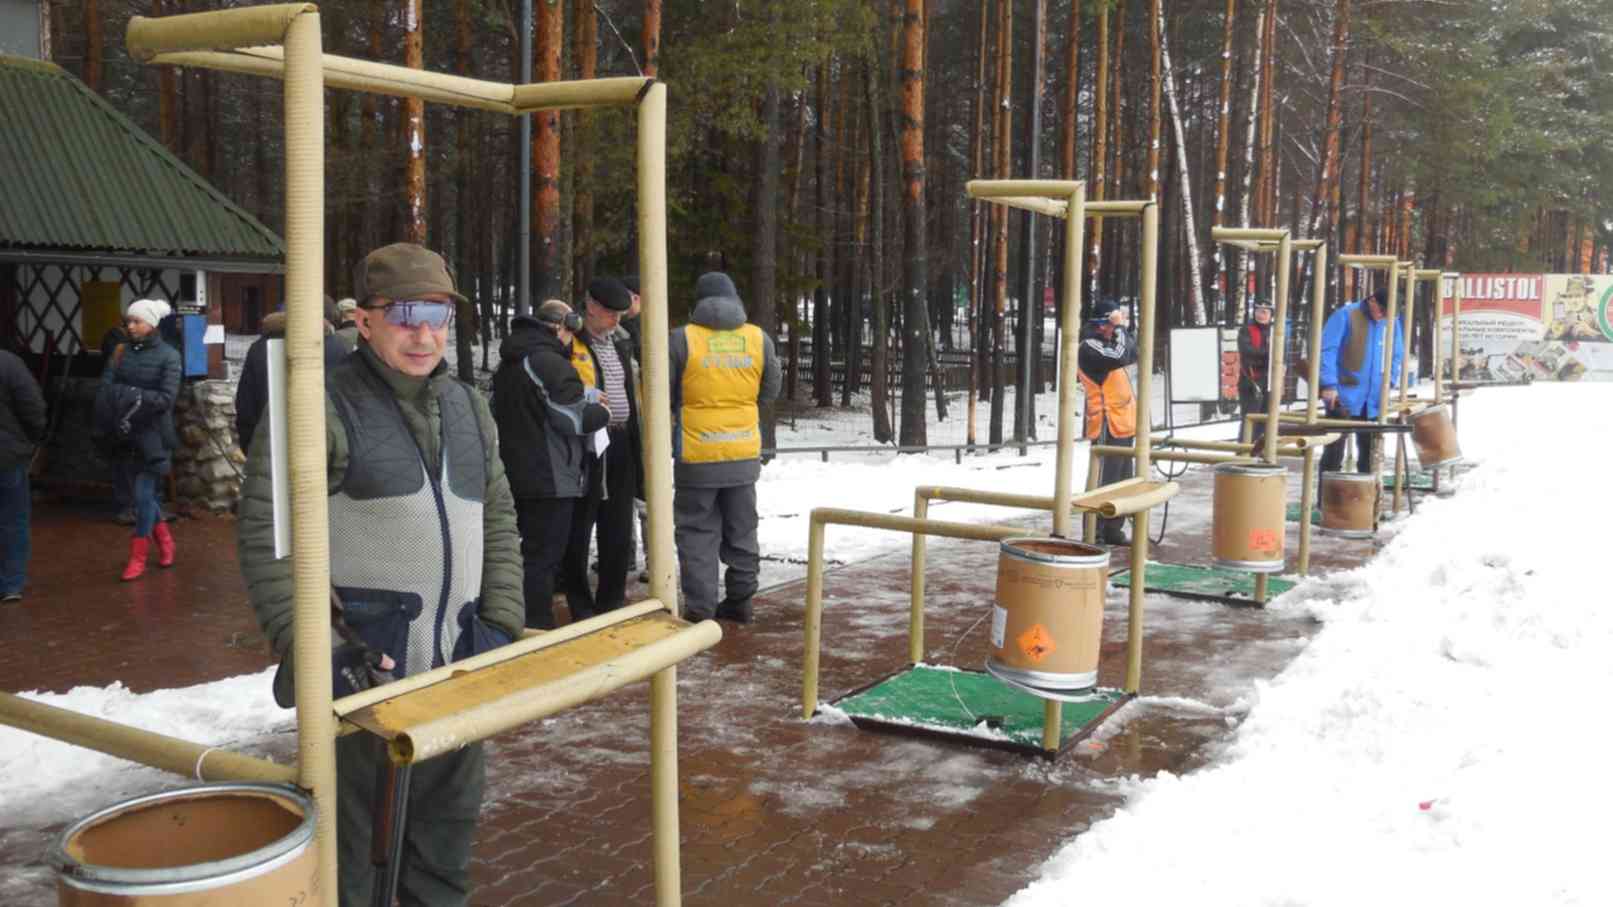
279 473
1195 365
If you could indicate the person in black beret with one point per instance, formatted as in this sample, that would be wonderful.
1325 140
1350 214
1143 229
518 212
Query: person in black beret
602 355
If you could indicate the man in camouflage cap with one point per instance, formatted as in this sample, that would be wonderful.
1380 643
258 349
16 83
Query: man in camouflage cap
424 557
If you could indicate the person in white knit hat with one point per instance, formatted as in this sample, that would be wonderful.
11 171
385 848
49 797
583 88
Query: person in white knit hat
135 411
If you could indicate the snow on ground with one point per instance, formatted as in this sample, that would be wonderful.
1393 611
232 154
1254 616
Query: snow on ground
1440 739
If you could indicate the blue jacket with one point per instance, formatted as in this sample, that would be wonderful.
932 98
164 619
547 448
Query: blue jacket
1359 389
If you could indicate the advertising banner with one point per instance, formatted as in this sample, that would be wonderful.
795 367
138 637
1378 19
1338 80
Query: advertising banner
1532 327
1501 313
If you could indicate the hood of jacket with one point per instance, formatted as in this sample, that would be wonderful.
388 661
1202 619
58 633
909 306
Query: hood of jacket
720 313
528 335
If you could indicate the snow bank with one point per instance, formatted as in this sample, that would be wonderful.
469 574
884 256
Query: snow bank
49 780
1440 740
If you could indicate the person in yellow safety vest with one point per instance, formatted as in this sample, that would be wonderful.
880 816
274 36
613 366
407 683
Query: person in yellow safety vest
722 371
1101 363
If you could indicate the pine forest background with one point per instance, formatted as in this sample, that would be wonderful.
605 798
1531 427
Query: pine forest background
818 153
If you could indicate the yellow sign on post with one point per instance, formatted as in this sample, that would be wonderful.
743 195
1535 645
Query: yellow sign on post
100 309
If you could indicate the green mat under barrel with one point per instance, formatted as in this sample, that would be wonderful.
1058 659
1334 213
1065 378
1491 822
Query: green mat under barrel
1416 481
1198 581
1293 515
970 707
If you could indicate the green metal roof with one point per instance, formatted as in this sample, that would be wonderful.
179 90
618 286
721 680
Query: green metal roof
77 175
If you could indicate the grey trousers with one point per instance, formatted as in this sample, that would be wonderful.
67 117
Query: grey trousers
445 800
715 524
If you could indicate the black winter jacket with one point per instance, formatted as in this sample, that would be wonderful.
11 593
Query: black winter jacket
22 412
152 369
543 413
621 341
252 394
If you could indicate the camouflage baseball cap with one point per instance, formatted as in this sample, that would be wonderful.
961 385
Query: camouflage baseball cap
403 271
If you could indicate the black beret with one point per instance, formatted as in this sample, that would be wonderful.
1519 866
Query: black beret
610 293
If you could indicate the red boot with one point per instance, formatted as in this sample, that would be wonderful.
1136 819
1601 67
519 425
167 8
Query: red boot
165 544
138 548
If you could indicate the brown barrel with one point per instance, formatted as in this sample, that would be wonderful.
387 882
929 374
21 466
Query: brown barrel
1435 437
1249 521
1349 504
1048 619
209 844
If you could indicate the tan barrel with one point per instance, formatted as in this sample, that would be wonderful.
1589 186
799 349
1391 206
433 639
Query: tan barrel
1047 623
209 844
1249 522
1349 504
1434 435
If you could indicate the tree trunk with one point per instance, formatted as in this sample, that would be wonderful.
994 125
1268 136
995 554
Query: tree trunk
651 37
764 248
879 387
370 131
822 391
977 225
414 130
1100 135
1223 132
94 43
1235 316
1364 188
915 311
1185 187
546 155
1328 174
1156 20
1067 148
466 321
1030 307
999 256
586 54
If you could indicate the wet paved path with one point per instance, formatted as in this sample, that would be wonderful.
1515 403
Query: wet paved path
774 810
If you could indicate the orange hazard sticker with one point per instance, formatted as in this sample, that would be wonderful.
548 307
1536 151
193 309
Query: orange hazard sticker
1036 643
1263 539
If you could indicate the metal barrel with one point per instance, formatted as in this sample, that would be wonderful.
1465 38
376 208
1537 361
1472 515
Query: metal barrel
1047 622
229 843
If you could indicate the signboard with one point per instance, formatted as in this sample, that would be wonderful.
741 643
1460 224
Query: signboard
1532 327
1196 365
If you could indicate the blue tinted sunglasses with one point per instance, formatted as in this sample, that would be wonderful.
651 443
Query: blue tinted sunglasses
411 313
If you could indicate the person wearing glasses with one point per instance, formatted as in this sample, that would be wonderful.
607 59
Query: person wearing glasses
545 416
134 415
602 355
424 557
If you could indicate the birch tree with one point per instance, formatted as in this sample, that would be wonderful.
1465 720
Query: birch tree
1184 179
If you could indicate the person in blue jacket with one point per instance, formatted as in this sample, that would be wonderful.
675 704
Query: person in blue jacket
1351 376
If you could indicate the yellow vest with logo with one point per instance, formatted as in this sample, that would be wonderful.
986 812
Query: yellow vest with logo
721 381
582 360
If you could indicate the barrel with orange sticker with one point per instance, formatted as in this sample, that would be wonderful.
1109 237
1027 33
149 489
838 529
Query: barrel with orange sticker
1047 622
1248 516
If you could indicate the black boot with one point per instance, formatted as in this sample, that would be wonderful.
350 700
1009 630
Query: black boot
737 610
1110 533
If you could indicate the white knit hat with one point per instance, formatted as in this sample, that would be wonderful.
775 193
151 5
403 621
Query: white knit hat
150 311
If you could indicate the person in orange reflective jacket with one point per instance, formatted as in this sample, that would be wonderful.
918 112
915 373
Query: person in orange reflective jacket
722 371
1101 363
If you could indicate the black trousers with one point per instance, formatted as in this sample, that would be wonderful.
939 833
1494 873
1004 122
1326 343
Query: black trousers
1114 469
607 514
1333 454
1252 400
545 531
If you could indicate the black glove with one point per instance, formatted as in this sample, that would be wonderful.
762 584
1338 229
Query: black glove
358 667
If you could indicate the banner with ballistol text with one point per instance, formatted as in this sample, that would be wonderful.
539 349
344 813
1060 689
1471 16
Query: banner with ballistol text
1531 327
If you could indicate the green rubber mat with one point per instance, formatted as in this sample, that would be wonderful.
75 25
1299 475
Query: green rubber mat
1417 481
1293 515
1195 581
970 707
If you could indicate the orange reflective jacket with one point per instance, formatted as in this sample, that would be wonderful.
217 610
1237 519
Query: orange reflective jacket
1113 400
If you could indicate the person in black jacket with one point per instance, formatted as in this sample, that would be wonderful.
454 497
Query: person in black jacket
252 393
146 372
22 425
1254 363
544 414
